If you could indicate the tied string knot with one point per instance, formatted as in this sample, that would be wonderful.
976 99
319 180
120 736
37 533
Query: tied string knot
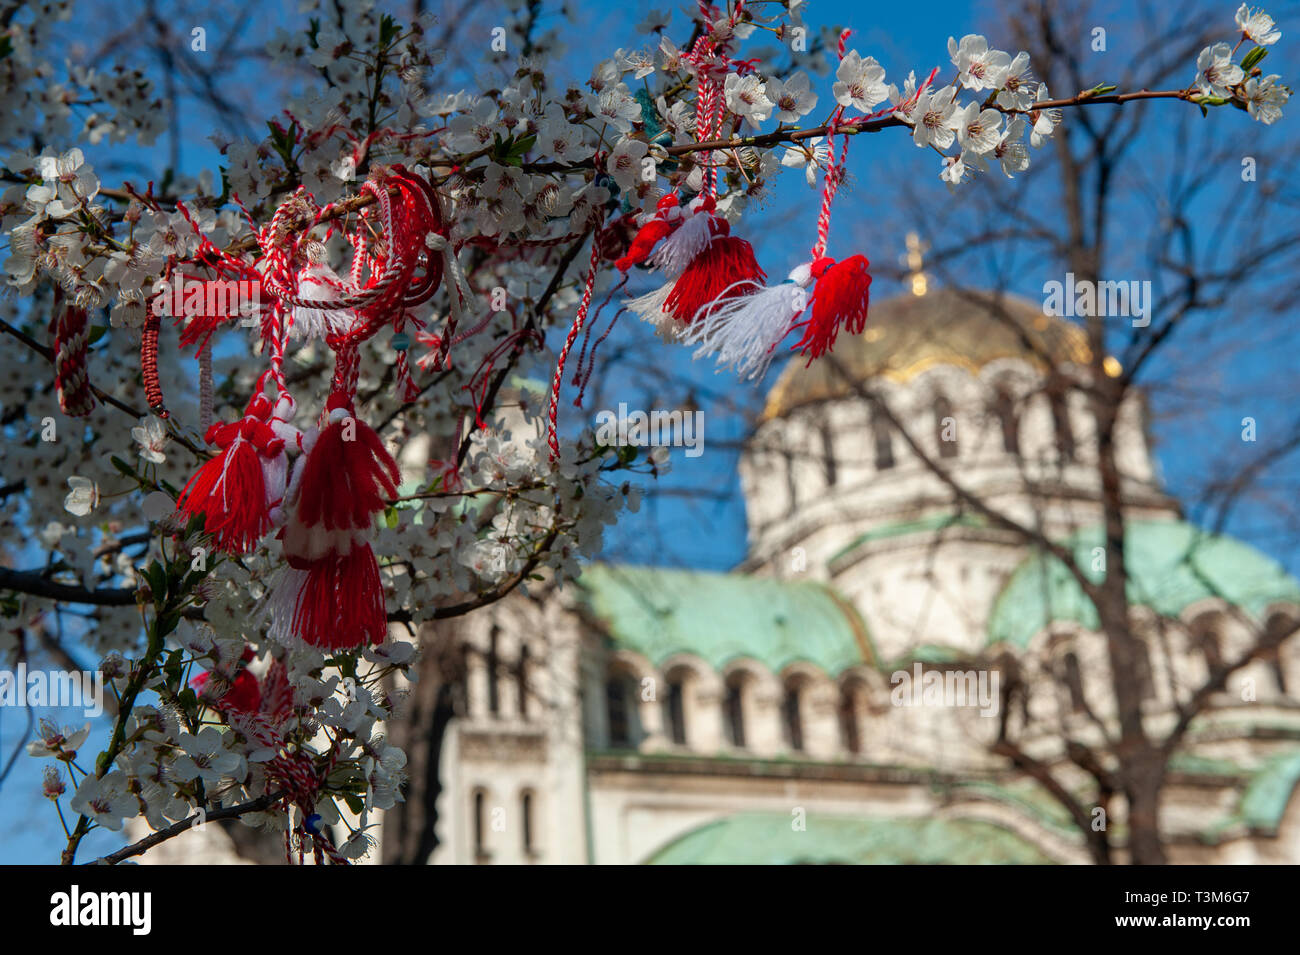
293 771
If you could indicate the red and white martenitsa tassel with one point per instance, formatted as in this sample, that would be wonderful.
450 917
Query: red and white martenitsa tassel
842 291
330 595
239 491
706 265
839 299
744 331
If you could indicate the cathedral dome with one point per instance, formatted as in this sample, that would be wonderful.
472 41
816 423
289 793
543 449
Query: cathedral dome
907 334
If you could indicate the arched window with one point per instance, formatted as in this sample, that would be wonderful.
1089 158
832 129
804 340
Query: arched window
733 710
791 485
1004 408
828 453
493 662
526 822
480 826
619 702
521 681
675 711
850 735
1209 643
883 439
945 427
791 717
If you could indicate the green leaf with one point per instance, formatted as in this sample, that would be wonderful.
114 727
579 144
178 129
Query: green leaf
157 578
355 803
123 467
188 699
389 30
1101 89
96 333
1253 57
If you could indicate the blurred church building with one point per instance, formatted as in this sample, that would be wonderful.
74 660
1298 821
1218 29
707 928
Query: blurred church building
655 715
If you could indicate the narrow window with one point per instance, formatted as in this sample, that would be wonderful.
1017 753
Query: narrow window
480 826
849 734
526 814
675 713
1209 640
883 440
521 677
792 718
1005 410
493 660
617 709
828 453
791 485
734 712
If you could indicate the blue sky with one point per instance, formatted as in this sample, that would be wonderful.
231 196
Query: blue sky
708 530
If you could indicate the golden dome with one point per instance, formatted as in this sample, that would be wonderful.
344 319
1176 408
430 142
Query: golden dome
910 333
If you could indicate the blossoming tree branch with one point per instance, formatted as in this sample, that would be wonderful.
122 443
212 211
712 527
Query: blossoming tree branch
289 416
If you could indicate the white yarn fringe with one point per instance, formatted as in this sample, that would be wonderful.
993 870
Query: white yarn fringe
319 283
650 308
678 250
743 332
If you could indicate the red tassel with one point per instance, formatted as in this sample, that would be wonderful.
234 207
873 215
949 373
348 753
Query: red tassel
348 477
725 269
241 695
341 603
666 220
331 596
840 297
230 490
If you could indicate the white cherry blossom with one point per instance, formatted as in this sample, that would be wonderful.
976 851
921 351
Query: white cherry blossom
978 67
859 82
1257 25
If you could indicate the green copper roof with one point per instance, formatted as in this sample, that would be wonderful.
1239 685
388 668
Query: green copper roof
721 617
1264 800
771 839
1171 566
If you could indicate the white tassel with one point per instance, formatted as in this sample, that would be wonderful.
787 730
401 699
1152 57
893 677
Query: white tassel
743 332
690 239
650 308
319 283
282 604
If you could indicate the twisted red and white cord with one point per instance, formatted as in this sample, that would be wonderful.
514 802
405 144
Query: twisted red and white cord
557 380
71 376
